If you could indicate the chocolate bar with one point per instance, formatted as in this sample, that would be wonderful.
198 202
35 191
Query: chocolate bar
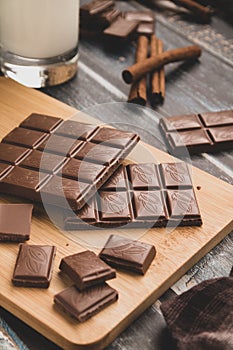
57 161
128 254
85 304
146 21
141 195
86 269
33 266
198 133
15 223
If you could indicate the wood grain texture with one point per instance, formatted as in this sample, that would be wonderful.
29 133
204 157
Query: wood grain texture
178 250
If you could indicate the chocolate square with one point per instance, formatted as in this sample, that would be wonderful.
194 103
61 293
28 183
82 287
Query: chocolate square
43 161
41 122
99 153
76 130
82 171
85 304
15 223
128 254
60 145
25 137
114 206
175 175
12 154
220 118
86 269
33 266
144 176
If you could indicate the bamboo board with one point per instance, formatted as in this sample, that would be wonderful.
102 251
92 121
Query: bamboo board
177 250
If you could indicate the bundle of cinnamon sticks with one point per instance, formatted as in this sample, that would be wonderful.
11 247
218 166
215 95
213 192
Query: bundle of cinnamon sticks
138 92
153 65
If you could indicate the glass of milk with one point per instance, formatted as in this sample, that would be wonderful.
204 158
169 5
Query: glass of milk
39 40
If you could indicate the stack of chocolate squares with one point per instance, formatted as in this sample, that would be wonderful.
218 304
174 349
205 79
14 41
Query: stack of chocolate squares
101 17
90 293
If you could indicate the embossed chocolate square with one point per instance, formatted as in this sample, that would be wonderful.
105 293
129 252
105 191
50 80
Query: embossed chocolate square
85 304
86 269
33 266
128 254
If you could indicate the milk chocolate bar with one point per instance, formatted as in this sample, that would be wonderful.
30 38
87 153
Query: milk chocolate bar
128 254
141 195
198 133
85 304
55 161
86 269
15 223
33 266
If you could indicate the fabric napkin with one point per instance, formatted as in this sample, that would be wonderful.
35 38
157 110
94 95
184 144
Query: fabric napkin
202 317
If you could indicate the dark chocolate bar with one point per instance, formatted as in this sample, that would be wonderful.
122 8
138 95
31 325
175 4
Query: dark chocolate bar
198 133
128 254
86 269
15 223
85 304
141 195
57 161
33 266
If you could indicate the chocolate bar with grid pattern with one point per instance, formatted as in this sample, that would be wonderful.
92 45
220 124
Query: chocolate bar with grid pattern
198 133
141 195
59 162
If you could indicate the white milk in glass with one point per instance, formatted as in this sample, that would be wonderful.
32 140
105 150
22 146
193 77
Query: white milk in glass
39 28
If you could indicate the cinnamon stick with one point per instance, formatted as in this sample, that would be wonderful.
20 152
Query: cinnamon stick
158 77
138 92
202 11
136 71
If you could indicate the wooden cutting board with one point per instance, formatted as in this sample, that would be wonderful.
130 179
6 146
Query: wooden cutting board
177 250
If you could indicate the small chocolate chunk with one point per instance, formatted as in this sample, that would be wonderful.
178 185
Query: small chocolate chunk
15 222
86 269
121 28
108 17
128 254
96 7
146 28
85 304
33 266
142 16
146 21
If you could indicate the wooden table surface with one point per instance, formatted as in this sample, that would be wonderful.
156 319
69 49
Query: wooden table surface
205 85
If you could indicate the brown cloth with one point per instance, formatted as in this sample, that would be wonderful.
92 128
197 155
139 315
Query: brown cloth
202 317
